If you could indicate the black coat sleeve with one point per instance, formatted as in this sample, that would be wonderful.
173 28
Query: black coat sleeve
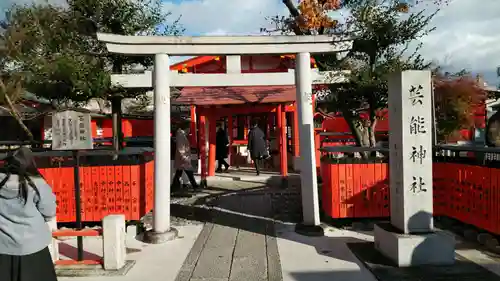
250 140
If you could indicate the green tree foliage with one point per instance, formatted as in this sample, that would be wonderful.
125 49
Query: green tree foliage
382 34
42 43
56 49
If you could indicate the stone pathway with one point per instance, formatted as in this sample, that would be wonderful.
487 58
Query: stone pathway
227 253
238 240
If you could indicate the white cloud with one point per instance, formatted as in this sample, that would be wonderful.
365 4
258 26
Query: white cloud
218 32
467 31
467 35
223 17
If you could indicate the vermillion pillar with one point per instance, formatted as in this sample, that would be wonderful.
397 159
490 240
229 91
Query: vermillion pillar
212 131
194 139
295 136
277 132
283 145
202 134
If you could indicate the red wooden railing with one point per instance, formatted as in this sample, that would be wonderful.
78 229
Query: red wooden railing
463 189
78 233
107 185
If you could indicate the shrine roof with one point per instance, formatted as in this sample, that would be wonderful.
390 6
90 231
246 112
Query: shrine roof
192 61
205 59
236 95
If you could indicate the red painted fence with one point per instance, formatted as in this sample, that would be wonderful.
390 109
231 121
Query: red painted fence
107 186
356 189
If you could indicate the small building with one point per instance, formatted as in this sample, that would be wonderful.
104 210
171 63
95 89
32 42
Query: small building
235 107
32 111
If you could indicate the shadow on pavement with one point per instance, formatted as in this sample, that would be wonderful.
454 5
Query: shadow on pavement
253 212
71 252
344 275
268 209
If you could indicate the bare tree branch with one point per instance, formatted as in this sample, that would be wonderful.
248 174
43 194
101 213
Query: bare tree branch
294 12
12 109
291 8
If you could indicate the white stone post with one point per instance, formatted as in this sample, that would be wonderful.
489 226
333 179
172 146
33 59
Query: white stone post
161 231
410 141
113 241
410 239
233 64
54 244
308 177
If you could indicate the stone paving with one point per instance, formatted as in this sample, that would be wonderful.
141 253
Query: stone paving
238 240
227 253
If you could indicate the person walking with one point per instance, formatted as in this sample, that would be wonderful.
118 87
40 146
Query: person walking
26 204
257 145
221 149
182 161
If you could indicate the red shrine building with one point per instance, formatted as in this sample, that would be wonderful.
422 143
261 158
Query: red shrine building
235 108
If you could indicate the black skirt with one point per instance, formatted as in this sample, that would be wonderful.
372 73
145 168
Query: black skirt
34 267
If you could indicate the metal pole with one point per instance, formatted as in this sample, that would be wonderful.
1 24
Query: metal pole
78 205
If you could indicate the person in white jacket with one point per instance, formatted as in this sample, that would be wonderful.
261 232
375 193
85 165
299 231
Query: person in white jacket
182 161
26 204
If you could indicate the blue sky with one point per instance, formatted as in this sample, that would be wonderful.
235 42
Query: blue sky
467 31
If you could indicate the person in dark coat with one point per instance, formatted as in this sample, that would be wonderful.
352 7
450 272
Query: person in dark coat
221 149
26 204
257 145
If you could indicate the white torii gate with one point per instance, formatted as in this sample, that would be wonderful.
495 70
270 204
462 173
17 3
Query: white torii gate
162 79
145 80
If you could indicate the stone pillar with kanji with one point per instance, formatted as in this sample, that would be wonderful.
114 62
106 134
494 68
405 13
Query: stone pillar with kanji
410 238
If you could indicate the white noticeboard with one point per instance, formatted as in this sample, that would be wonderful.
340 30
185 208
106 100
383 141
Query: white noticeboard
71 130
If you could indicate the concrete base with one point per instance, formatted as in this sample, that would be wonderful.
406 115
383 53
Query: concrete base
310 230
153 237
54 245
435 248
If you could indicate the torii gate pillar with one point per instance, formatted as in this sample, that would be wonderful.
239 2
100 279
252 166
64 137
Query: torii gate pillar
308 176
161 213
